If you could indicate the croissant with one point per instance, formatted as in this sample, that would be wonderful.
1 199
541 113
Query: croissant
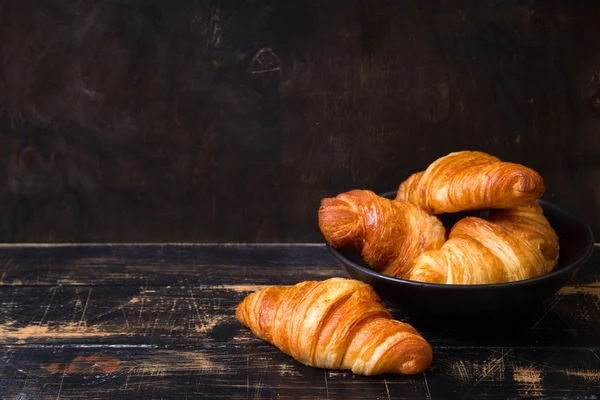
509 245
471 180
389 234
338 324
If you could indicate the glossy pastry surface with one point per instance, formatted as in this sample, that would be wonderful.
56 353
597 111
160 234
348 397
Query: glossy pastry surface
337 323
509 245
389 234
471 180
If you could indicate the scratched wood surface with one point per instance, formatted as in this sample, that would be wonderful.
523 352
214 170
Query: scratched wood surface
157 321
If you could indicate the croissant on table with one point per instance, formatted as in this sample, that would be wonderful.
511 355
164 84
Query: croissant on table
509 245
471 180
338 324
389 234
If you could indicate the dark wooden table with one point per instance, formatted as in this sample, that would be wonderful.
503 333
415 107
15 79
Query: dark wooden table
158 321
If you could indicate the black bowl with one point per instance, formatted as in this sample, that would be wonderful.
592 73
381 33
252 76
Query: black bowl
427 302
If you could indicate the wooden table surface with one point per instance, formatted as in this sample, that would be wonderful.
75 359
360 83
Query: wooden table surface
158 321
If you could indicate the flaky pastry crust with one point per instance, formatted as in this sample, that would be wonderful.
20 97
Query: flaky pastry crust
471 180
338 324
389 234
509 245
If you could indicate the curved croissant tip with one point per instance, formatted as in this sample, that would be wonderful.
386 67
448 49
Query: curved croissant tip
528 181
419 363
340 224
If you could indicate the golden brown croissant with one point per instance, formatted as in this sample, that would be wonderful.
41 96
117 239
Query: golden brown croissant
338 324
389 234
471 180
508 245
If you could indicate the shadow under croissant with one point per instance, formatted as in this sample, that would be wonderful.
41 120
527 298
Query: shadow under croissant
508 321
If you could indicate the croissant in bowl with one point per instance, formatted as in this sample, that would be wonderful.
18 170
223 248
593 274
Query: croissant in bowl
509 245
471 180
515 242
403 238
389 234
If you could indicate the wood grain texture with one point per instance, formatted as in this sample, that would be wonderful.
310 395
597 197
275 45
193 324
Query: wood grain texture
264 373
189 315
228 121
162 265
153 321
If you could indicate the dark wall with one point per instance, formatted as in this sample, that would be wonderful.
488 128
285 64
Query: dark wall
229 120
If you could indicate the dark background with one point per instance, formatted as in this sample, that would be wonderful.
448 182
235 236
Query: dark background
227 121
